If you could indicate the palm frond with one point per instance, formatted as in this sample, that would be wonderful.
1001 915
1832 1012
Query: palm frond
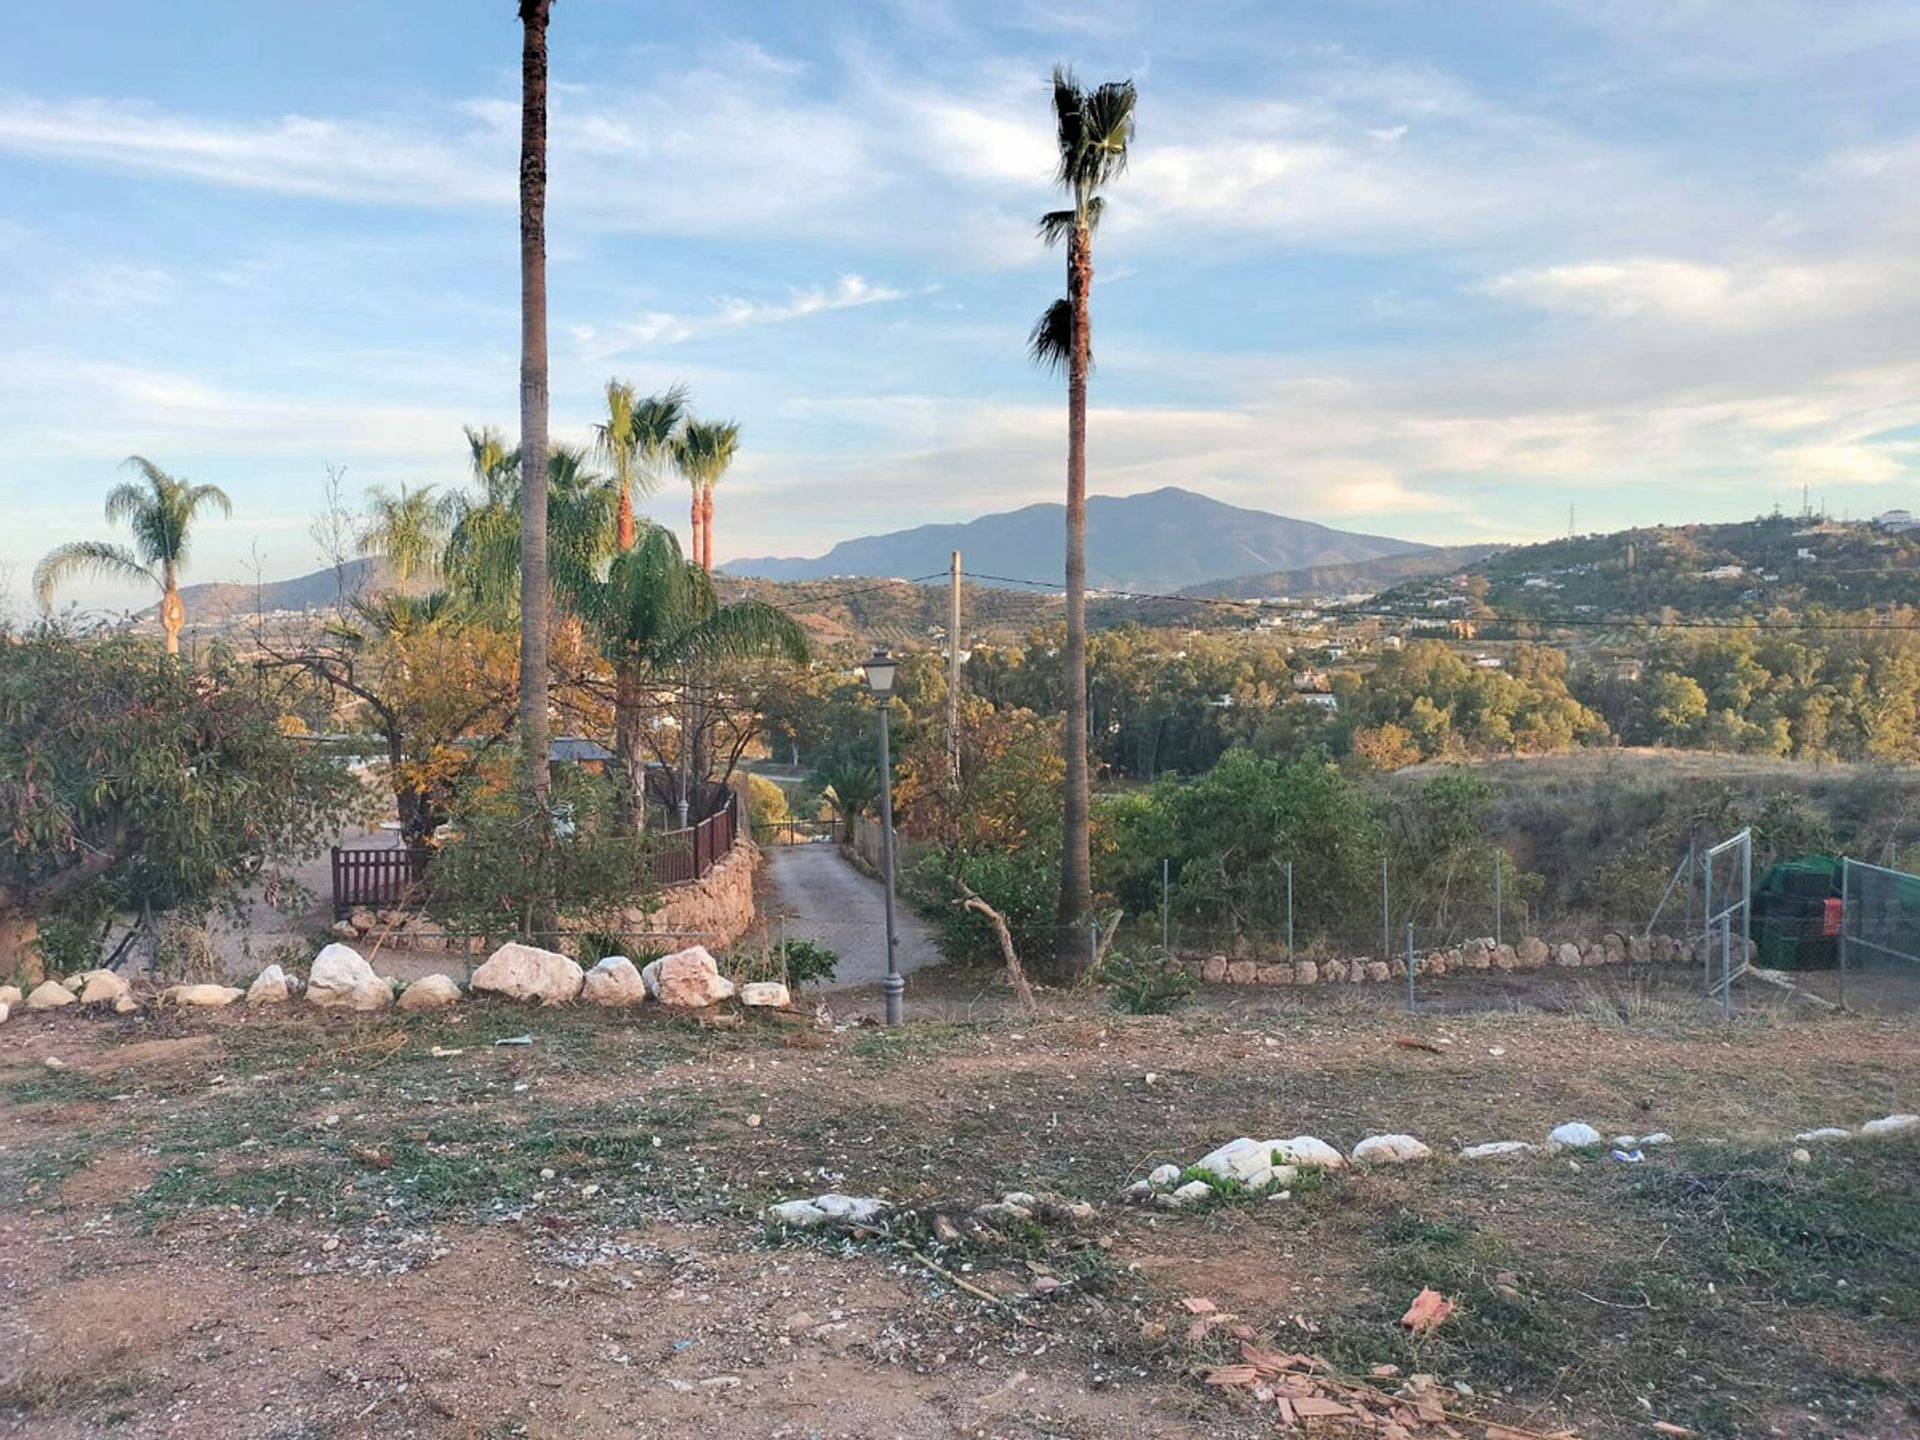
706 449
1055 226
207 495
1094 130
86 557
1050 343
126 500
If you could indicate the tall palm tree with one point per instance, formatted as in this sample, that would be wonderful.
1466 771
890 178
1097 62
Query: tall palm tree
1094 129
636 439
408 529
657 617
706 449
161 515
536 598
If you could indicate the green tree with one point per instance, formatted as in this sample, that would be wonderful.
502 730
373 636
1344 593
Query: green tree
161 513
657 618
705 451
636 438
408 529
1094 129
128 783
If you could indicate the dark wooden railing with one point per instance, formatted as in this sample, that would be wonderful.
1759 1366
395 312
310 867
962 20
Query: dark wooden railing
395 875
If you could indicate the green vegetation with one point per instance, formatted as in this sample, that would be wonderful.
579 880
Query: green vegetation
128 783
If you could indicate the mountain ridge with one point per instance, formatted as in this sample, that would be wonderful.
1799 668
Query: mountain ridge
1157 540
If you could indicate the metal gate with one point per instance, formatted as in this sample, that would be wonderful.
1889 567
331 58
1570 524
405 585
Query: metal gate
1728 870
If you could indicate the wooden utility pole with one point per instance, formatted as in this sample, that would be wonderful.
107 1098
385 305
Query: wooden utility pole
953 670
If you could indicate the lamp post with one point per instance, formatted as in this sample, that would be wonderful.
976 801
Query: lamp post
879 672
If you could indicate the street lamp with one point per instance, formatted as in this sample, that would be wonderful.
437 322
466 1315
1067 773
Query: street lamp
879 672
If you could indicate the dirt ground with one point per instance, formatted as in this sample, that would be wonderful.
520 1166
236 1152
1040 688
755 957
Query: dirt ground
300 1225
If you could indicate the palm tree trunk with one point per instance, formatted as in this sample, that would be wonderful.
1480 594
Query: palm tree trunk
173 612
626 742
693 552
623 518
536 600
706 530
1071 950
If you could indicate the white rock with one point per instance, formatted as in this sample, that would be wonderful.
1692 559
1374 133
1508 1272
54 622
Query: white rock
1494 1149
1390 1150
1574 1135
526 972
341 980
1241 1160
1802 1156
1163 1177
1825 1132
10 995
49 995
125 1005
206 997
270 987
1192 1193
614 981
829 1209
687 979
103 987
430 992
1889 1125
766 994
1658 1137
1307 1150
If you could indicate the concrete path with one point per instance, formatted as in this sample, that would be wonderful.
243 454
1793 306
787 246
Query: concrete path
816 894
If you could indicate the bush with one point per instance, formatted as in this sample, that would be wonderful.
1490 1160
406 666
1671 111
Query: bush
808 963
1149 982
1023 885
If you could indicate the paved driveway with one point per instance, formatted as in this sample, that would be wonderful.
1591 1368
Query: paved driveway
816 894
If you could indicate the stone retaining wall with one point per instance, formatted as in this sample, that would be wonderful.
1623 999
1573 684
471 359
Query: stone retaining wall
1531 954
716 909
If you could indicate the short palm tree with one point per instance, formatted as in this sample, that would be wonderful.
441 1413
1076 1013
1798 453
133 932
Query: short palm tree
161 513
636 439
658 618
1094 129
852 789
705 450
482 556
407 529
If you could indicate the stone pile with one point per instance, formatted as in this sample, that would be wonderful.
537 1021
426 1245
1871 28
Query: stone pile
341 979
1533 953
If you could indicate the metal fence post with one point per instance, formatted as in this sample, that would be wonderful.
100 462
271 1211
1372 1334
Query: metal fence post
1166 905
1727 968
1846 911
1290 910
1386 912
1499 874
1410 966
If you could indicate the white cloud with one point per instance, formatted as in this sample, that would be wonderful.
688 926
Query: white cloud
660 328
116 286
1753 295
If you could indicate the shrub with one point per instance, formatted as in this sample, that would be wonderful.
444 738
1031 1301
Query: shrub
1148 982
808 963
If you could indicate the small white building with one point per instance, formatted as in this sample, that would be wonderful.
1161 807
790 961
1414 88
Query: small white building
1896 521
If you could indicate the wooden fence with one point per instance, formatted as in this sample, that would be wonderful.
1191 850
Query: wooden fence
368 879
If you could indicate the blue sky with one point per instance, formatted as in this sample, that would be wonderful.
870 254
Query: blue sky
1434 271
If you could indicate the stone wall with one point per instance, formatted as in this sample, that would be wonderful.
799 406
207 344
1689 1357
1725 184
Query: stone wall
718 906
1531 954
715 910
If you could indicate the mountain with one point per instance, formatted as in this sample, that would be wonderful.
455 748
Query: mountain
220 600
1159 541
1321 582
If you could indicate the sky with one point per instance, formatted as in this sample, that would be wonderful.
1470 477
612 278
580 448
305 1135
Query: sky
1434 271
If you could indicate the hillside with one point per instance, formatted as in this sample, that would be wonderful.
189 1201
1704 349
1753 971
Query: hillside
1321 582
1162 540
217 602
1752 568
